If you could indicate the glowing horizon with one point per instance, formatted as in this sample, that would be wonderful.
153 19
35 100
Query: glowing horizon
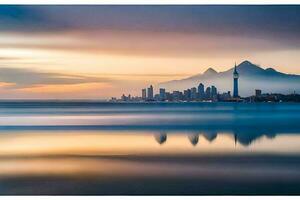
103 51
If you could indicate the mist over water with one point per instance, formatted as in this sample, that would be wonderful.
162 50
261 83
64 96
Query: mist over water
62 147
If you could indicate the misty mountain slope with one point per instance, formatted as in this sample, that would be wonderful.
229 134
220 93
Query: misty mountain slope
251 77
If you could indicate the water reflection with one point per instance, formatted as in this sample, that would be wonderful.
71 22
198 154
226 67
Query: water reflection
210 136
20 143
194 139
161 137
144 162
245 139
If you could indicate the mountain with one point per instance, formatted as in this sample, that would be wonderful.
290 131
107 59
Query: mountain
251 77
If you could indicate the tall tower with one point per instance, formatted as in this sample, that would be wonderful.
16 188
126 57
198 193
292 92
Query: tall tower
201 92
150 93
235 83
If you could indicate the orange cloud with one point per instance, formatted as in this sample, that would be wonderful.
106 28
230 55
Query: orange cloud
67 88
4 84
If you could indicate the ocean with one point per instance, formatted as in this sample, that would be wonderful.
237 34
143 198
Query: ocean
178 148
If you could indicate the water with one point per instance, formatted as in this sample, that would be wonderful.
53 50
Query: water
58 147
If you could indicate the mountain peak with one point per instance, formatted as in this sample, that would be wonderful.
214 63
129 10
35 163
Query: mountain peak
246 62
252 76
270 70
210 71
248 67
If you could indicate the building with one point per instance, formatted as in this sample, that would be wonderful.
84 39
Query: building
257 93
169 96
201 93
214 92
224 96
162 94
208 93
193 93
123 97
157 97
144 94
187 94
150 93
235 83
176 95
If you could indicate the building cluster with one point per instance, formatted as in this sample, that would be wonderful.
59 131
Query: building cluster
200 93
191 94
272 97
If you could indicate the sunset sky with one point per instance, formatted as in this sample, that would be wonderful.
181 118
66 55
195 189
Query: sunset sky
77 52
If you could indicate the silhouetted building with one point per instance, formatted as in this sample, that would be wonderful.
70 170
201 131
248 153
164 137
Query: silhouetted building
257 93
169 96
235 83
214 92
150 93
123 97
187 94
224 96
144 94
208 93
176 95
157 97
201 94
193 93
162 94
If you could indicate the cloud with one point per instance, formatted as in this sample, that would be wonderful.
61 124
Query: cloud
27 19
189 31
9 58
254 21
17 78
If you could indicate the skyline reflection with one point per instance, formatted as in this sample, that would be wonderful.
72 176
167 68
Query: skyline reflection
210 136
111 143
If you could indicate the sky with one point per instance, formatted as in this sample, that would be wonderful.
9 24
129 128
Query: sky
96 52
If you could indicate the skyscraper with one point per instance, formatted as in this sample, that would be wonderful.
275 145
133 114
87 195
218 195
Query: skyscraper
201 93
208 93
214 92
162 94
150 93
193 93
187 94
257 92
144 94
235 83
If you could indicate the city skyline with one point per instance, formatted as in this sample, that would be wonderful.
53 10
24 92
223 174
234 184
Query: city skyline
199 93
118 49
209 93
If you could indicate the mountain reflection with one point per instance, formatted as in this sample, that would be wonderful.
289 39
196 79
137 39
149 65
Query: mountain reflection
243 138
210 136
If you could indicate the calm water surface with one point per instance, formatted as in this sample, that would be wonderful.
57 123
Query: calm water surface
149 148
